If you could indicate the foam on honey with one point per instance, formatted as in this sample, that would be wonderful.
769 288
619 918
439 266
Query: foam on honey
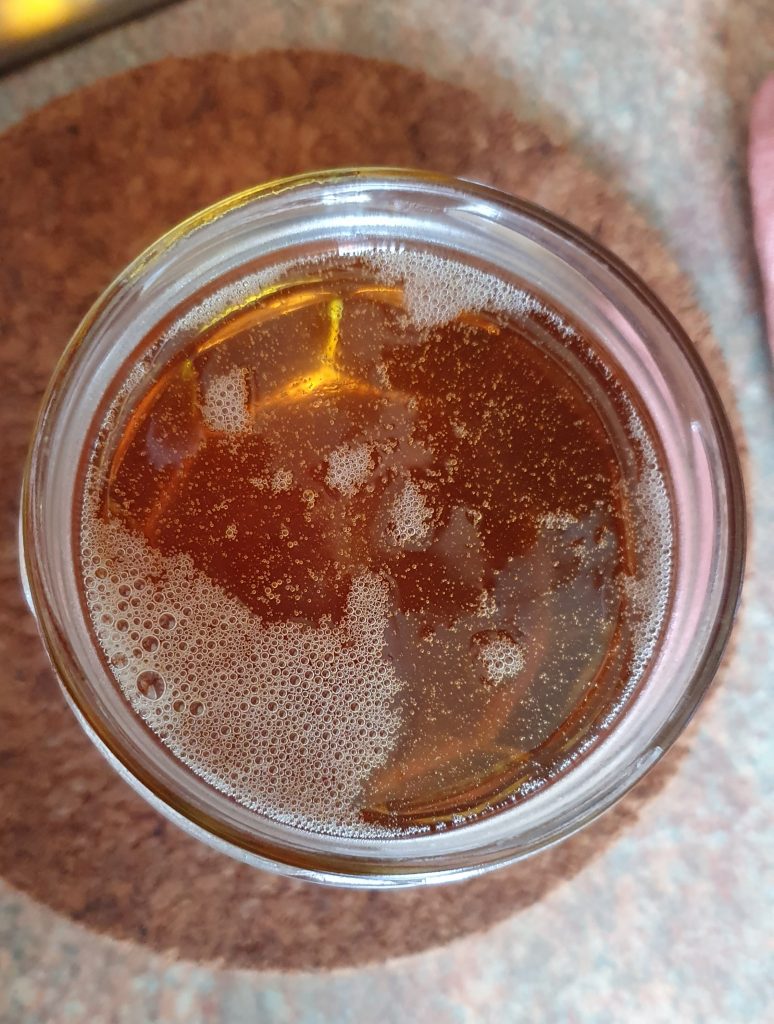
648 591
349 466
410 517
501 657
288 719
282 481
225 405
233 295
557 520
437 289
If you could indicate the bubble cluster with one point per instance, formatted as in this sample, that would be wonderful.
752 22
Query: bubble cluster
234 295
288 719
500 656
282 481
225 405
648 590
410 517
437 289
557 520
349 466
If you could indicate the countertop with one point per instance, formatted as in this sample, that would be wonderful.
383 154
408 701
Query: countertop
669 919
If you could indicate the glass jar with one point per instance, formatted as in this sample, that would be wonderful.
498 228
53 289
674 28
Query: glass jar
344 212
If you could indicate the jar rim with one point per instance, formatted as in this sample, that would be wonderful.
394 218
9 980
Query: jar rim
492 206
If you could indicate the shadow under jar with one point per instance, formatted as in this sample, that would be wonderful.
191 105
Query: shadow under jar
381 528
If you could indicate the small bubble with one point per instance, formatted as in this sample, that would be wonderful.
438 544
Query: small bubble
150 643
196 708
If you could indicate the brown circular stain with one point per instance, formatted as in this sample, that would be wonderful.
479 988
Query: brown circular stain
87 182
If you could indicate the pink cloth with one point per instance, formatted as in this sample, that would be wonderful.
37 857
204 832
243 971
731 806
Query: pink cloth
761 169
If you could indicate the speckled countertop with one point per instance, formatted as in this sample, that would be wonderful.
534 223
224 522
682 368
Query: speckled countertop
671 920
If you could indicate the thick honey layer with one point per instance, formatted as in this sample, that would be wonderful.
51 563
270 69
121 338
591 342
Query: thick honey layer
365 561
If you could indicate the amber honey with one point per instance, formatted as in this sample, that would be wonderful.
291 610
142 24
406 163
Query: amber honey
383 547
